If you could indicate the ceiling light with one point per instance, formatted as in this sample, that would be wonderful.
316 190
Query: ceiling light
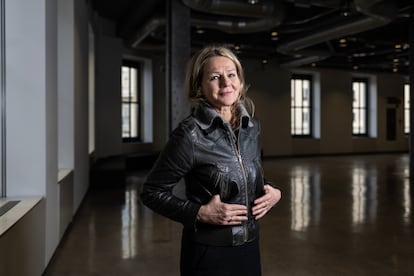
200 31
252 2
236 47
397 46
274 35
355 67
264 61
359 54
346 9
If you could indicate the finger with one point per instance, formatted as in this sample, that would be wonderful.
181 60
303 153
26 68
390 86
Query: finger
235 220
239 219
262 199
234 207
259 216
262 205
234 210
261 210
236 217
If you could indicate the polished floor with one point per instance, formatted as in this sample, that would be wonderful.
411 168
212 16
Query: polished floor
339 215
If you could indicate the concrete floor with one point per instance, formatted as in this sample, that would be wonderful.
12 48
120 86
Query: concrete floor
339 215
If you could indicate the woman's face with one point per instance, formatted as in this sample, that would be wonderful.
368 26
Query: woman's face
220 83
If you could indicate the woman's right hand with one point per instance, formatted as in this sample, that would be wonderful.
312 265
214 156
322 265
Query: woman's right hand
220 213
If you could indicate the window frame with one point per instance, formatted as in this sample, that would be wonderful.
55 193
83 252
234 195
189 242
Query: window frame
302 106
360 108
131 139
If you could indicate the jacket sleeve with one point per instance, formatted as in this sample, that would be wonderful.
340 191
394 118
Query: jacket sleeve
174 162
266 181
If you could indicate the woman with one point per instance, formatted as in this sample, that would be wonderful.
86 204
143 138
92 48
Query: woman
217 151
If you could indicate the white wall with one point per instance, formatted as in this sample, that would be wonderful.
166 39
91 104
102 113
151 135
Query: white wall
66 84
109 55
27 83
38 100
270 90
108 95
31 79
81 170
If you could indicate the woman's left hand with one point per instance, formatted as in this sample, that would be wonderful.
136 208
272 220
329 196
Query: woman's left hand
263 204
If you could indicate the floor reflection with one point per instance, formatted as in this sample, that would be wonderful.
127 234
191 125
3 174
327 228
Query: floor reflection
339 215
305 197
129 224
407 202
364 193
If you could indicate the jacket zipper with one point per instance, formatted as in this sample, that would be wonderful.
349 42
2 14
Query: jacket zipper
237 151
247 195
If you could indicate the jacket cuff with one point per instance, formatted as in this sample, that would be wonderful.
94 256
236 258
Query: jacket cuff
272 184
192 219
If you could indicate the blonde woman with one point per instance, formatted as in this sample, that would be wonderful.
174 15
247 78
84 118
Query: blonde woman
217 151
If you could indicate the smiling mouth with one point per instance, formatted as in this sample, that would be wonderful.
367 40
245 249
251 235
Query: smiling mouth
225 93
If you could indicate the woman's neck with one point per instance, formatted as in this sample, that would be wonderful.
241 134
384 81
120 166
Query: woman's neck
225 112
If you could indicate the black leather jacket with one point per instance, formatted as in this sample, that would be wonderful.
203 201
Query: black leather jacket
205 151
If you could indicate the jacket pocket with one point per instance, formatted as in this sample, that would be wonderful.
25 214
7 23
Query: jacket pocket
224 187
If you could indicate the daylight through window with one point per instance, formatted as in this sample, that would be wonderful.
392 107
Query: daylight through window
130 102
360 107
301 105
406 108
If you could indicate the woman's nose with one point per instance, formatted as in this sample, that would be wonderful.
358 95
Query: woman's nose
225 81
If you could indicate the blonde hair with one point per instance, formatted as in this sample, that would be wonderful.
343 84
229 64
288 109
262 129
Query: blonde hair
195 74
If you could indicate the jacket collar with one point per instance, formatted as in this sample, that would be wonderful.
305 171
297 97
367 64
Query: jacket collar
206 117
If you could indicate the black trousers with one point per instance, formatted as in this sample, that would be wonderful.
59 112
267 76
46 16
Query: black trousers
205 260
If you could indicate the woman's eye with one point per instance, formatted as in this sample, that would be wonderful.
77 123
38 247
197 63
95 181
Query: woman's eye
232 75
214 77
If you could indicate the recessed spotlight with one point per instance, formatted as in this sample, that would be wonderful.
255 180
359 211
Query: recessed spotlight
252 2
359 54
264 61
200 31
355 67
